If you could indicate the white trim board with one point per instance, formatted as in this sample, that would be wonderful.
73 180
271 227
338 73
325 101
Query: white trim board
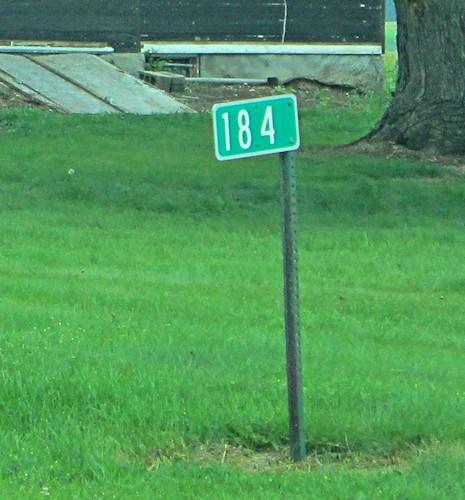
36 49
258 48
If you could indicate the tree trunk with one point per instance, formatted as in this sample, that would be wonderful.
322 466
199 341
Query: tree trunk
428 107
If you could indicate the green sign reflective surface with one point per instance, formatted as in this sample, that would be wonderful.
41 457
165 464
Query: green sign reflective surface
256 127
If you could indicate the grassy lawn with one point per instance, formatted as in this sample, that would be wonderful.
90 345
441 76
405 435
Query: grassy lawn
391 34
142 350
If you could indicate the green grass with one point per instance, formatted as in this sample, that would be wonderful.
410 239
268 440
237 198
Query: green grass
390 57
391 34
141 347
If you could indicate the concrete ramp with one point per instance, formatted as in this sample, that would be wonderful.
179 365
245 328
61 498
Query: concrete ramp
83 83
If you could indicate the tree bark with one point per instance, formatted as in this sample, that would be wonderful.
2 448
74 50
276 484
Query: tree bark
427 111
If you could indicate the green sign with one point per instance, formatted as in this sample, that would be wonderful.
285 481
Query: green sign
255 127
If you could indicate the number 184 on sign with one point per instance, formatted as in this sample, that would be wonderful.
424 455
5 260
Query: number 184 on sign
255 127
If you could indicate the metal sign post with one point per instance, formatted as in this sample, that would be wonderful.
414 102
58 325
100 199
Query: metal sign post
256 127
291 306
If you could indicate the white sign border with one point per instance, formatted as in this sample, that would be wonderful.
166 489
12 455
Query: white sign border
220 105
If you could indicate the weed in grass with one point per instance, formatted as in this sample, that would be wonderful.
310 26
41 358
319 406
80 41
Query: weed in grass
323 96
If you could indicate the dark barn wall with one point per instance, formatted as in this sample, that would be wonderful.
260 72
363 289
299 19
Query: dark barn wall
116 22
325 21
121 22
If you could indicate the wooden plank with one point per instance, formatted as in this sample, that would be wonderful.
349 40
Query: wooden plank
169 82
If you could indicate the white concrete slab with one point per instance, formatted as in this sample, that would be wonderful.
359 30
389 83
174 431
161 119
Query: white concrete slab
109 83
195 48
83 83
40 49
29 78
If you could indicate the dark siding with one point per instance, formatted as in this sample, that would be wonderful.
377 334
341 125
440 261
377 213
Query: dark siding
116 22
120 22
326 21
